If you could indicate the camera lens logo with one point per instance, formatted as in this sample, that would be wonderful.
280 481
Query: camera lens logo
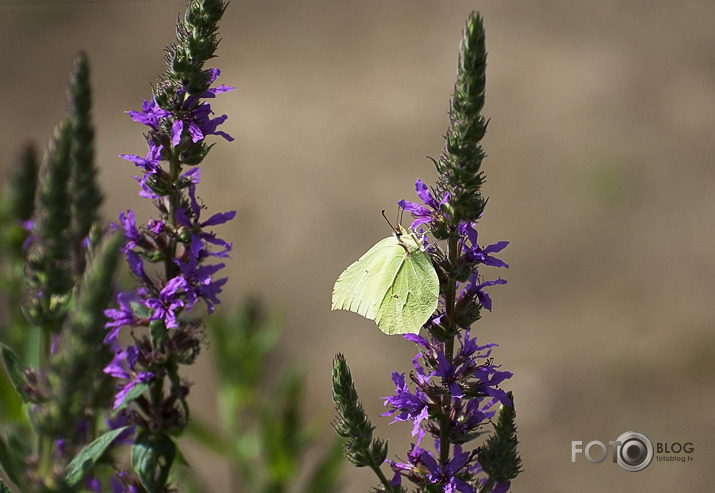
635 451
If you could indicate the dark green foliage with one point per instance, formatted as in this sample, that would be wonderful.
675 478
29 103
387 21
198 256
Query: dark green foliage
152 458
22 185
353 425
459 166
57 298
83 462
196 42
10 462
499 457
49 270
86 195
17 372
17 205
74 396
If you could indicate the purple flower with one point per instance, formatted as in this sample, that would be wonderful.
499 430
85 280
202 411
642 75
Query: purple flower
118 420
131 232
150 115
93 484
475 253
122 367
423 467
195 119
120 318
502 487
200 283
405 405
119 483
198 235
168 302
150 163
136 265
476 288
470 382
423 214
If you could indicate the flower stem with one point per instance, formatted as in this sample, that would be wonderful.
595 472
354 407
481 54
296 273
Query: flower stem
175 169
450 308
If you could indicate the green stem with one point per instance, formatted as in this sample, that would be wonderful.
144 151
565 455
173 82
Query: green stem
45 445
45 453
46 442
156 399
381 476
450 308
175 169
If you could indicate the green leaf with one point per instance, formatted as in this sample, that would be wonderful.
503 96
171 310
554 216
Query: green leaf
12 408
394 284
17 442
4 488
11 464
140 310
15 370
133 394
152 457
83 462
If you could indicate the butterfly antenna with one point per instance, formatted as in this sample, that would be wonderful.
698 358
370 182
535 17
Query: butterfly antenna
397 231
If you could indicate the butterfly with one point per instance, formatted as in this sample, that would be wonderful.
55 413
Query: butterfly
394 283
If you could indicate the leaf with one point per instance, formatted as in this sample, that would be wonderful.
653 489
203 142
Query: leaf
4 488
15 370
140 310
83 462
10 462
12 409
394 284
133 394
152 457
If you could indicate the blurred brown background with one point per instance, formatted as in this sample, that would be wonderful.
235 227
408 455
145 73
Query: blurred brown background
600 173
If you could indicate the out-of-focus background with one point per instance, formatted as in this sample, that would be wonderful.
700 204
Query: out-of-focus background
600 173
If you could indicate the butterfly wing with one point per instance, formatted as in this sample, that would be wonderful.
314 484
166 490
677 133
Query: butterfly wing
412 296
362 286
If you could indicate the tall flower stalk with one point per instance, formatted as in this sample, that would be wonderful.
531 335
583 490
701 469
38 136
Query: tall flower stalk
454 391
171 255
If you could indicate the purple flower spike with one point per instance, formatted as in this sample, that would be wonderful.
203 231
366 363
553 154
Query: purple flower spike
131 233
470 382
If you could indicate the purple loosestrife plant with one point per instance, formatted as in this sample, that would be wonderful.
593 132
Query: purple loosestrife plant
171 255
453 392
68 272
